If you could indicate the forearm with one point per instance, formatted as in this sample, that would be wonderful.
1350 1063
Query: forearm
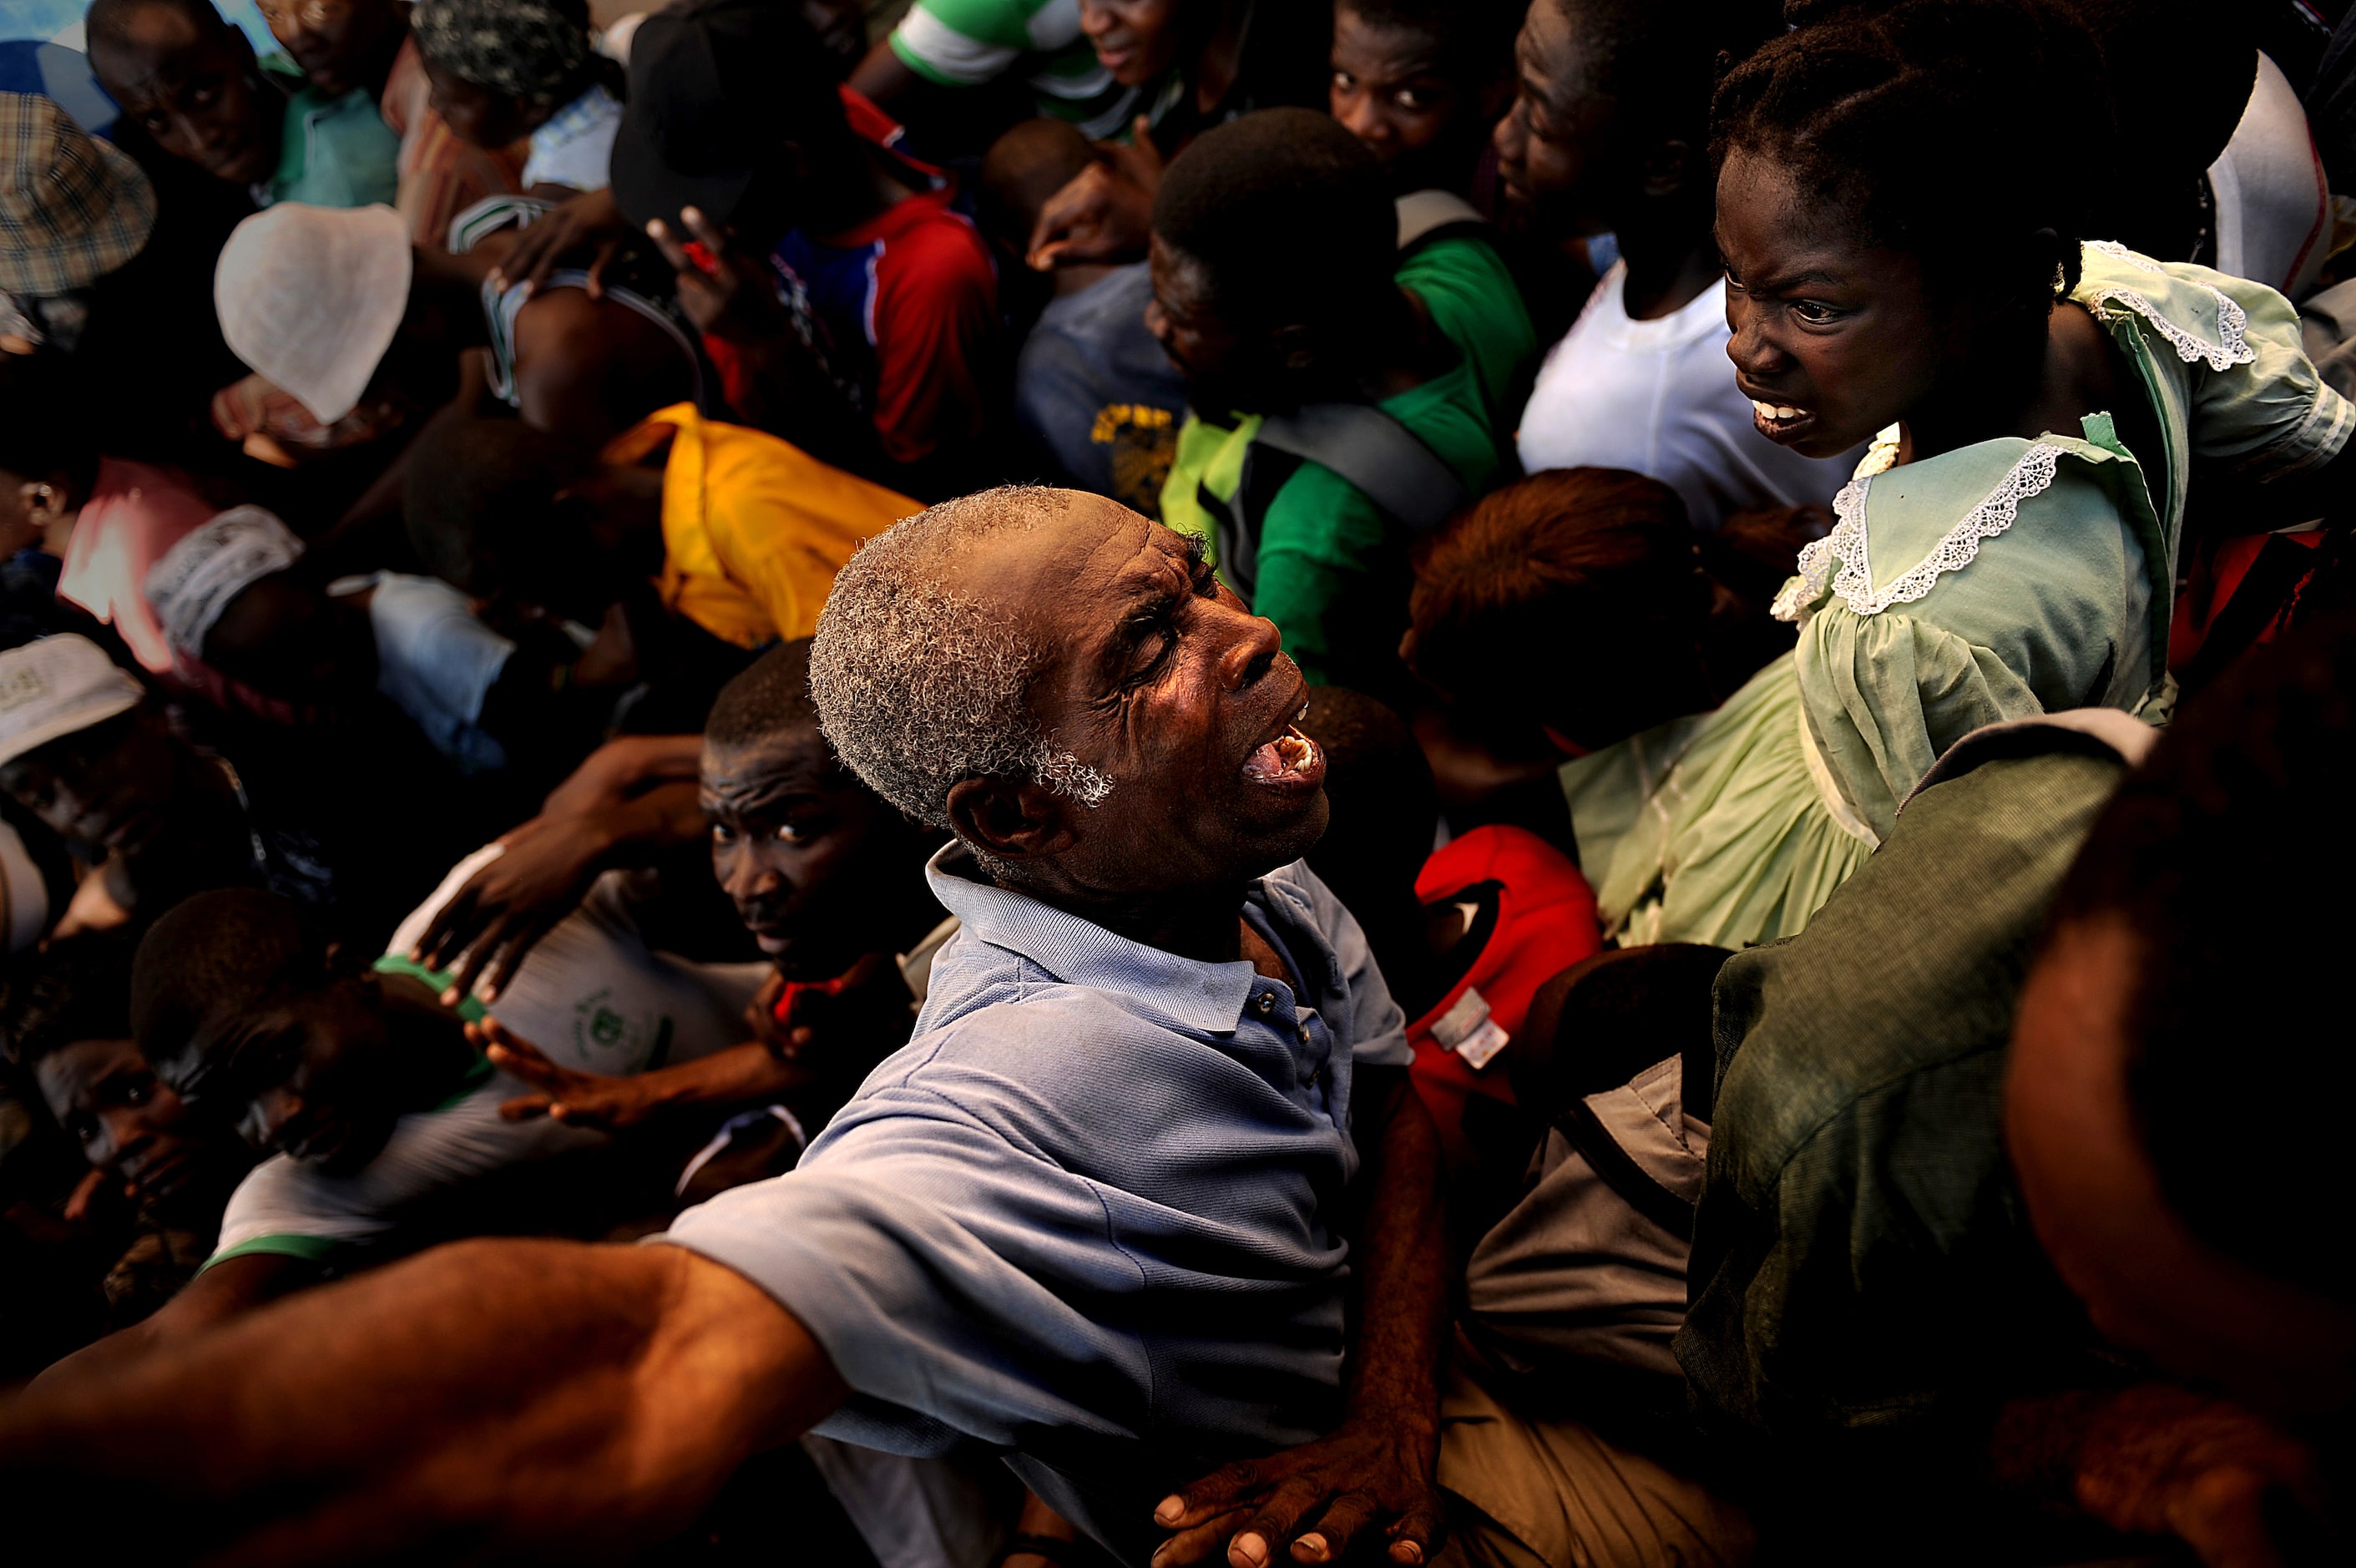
741 1074
501 1397
1394 1367
632 832
609 775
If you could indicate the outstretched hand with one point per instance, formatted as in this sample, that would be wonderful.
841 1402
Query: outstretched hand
564 1094
1106 212
487 927
592 219
1319 1498
724 292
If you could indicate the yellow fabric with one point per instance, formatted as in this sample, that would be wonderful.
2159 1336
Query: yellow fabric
755 528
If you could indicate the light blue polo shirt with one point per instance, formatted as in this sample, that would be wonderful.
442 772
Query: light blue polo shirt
1090 1214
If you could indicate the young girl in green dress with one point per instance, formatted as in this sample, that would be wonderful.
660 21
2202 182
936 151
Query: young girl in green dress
1901 208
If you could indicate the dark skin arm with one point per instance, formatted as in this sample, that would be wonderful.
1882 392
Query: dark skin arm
492 922
885 78
410 1427
749 1074
229 1289
2159 1459
1375 1472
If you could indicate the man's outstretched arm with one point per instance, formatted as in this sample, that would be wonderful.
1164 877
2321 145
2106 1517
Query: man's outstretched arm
504 1397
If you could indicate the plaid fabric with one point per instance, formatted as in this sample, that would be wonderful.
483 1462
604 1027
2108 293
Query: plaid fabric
71 210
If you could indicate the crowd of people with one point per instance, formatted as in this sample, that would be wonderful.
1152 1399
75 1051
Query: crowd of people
1489 783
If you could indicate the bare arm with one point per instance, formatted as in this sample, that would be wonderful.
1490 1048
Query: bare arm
489 925
490 1398
229 1289
1379 1468
883 77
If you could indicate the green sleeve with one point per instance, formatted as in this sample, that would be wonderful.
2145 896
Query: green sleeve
1325 563
1473 301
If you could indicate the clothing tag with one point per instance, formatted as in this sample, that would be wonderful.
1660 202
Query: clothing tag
1469 1030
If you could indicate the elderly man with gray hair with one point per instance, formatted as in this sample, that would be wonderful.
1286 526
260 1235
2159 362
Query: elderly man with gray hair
1146 1194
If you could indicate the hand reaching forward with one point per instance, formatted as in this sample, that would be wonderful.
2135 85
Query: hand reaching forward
1106 212
592 219
1369 1475
487 927
723 291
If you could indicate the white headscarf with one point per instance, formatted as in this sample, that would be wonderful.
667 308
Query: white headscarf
198 577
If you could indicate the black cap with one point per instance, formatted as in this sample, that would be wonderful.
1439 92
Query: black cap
704 111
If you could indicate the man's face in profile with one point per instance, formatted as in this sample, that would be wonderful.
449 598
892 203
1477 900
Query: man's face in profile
1164 682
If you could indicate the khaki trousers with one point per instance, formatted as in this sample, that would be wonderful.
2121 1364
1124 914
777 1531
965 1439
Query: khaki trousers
1554 1494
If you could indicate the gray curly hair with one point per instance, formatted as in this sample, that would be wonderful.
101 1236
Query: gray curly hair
918 687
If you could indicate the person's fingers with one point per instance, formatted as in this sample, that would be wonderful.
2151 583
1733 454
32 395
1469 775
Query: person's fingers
672 251
1280 1515
1205 1542
1333 1532
525 936
437 936
714 238
1215 1493
595 285
1415 1536
524 1107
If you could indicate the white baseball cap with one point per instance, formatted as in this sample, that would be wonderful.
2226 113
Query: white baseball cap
311 297
55 686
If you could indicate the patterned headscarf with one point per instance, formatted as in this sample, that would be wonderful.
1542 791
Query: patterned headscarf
527 48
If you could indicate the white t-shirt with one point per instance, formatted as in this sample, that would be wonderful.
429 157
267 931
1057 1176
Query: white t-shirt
591 996
2274 210
1658 398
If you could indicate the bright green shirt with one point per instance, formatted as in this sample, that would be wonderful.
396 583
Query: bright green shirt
336 151
1332 568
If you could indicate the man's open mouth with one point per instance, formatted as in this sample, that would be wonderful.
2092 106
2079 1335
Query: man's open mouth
1290 758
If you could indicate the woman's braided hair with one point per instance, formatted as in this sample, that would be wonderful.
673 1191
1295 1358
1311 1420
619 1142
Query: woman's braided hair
1949 129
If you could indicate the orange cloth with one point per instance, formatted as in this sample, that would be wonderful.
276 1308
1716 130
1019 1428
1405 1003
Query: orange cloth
753 527
441 176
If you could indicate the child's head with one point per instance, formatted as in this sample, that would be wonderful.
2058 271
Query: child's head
253 1018
1611 112
1572 602
820 868
501 68
1274 240
1887 211
188 79
1421 83
1021 172
232 595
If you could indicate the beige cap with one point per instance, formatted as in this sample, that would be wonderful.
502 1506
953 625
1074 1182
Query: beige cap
310 296
55 686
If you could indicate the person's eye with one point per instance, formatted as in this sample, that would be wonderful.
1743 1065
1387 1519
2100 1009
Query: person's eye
83 1128
794 833
155 124
723 833
138 1093
1814 312
1343 80
1414 100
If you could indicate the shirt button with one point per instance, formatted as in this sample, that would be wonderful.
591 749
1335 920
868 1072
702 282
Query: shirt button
1267 1001
1305 1034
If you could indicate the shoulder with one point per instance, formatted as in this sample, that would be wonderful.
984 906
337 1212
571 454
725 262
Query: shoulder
935 250
2201 317
1814 1030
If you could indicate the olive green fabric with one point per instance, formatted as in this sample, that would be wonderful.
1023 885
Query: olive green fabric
1861 1258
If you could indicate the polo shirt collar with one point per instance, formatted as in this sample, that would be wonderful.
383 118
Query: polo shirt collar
1205 997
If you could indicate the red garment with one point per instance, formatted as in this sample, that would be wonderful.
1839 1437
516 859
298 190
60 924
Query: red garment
1545 922
907 302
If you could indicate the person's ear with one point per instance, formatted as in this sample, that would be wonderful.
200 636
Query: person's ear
1011 820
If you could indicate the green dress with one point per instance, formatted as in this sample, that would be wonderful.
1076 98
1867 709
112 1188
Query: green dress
1998 581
